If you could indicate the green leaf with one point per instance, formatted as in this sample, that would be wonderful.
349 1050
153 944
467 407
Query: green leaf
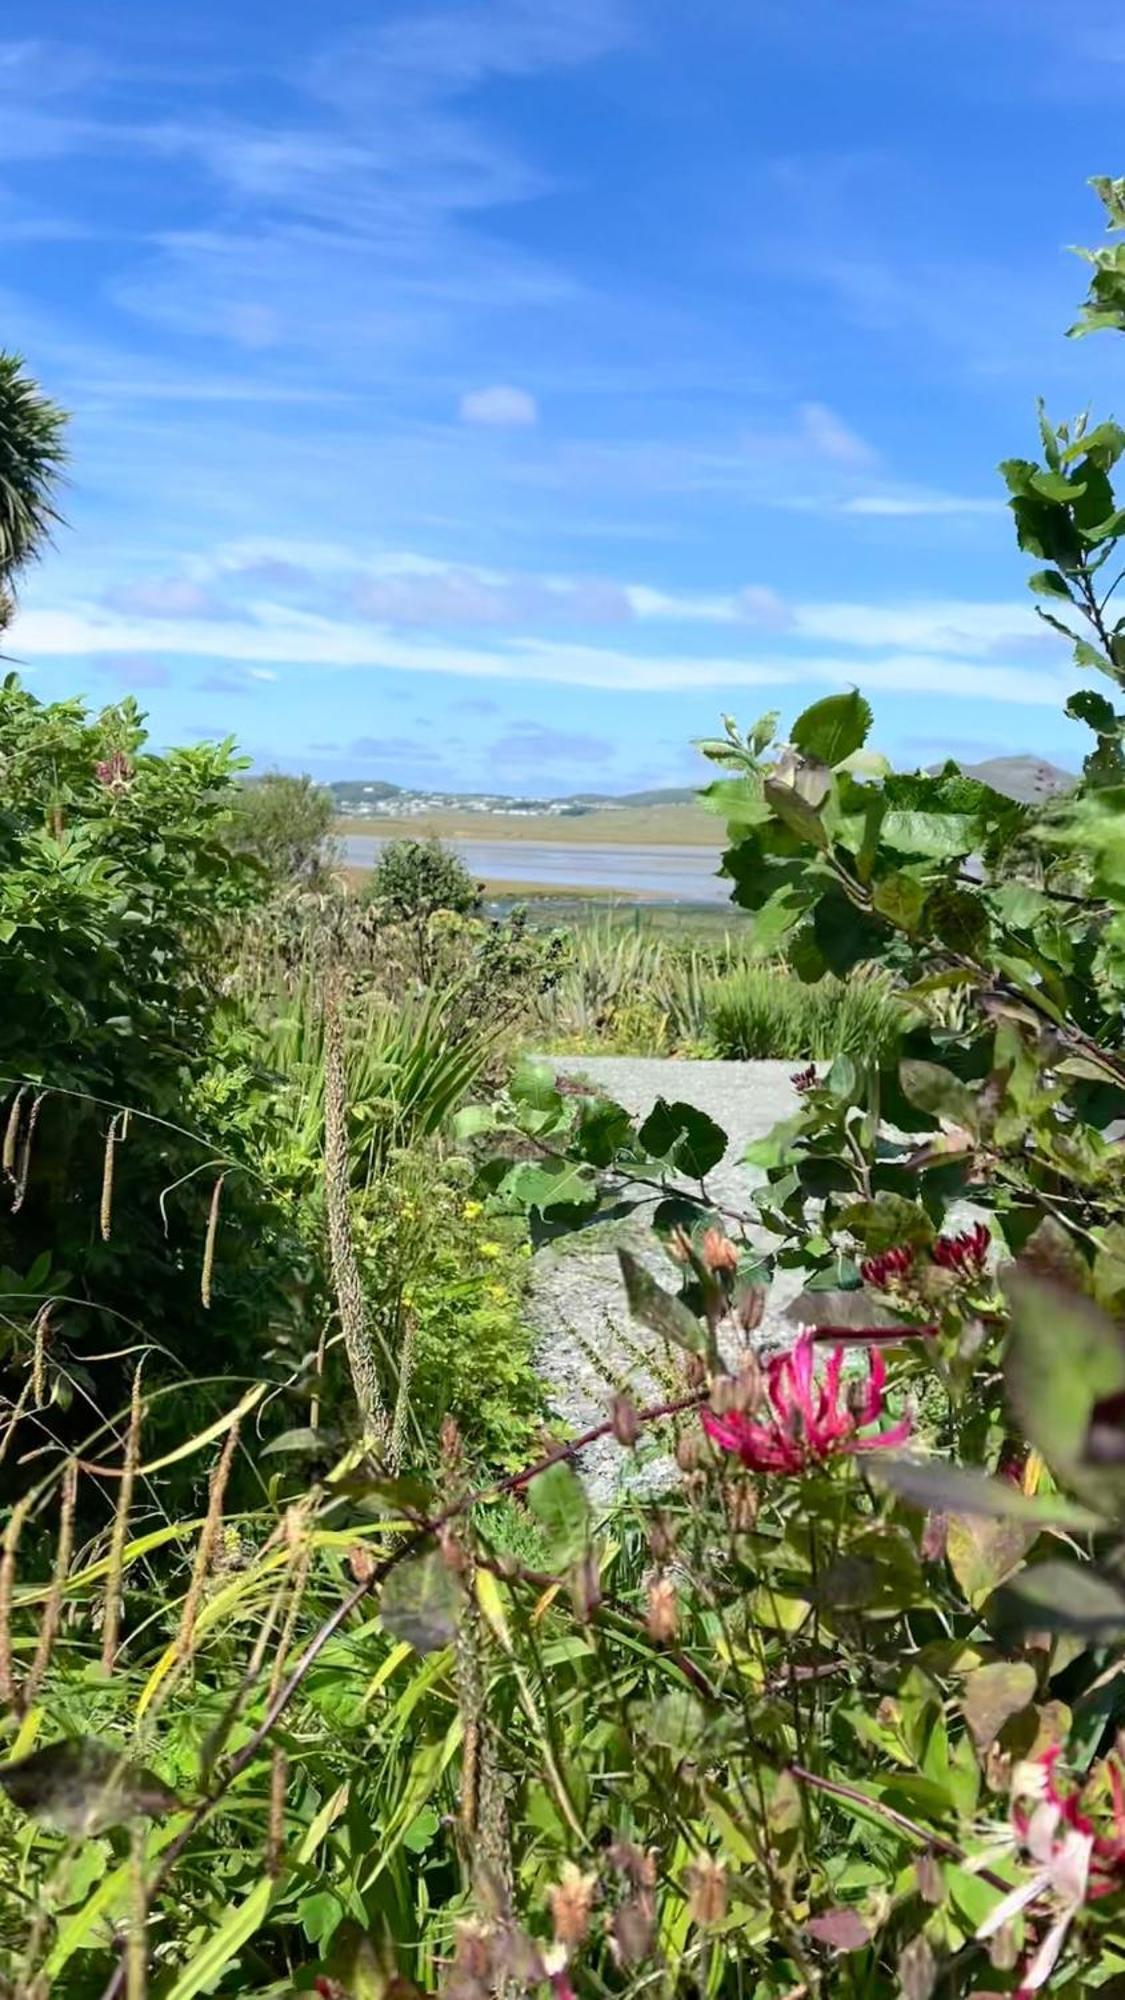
534 1084
1048 583
935 1090
1090 707
834 728
938 1487
659 1310
1064 1597
1064 1359
558 1500
82 1786
982 1554
210 1959
303 1439
603 1128
676 1722
551 1184
796 812
689 1140
993 1694
939 836
901 899
422 1602
886 1222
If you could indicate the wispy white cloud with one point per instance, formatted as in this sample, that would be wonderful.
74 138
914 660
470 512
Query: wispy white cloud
502 407
291 637
831 438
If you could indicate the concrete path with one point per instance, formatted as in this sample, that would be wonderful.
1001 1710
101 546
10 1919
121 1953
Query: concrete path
587 1343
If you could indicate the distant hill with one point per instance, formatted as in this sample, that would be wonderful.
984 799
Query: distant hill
1026 778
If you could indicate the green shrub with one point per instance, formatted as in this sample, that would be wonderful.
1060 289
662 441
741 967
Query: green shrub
763 1013
285 822
414 879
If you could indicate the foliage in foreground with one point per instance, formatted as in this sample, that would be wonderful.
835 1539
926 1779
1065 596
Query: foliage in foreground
839 1713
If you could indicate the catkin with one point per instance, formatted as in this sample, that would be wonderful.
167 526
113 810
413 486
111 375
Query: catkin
275 1836
209 1244
52 1610
111 1624
205 1550
12 1534
39 1357
25 1152
105 1213
12 1131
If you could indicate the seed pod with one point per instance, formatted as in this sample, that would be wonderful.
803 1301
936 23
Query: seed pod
626 1423
749 1307
690 1450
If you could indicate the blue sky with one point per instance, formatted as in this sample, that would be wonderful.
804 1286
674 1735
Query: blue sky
493 392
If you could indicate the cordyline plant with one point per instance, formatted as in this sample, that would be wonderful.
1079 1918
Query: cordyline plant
839 1713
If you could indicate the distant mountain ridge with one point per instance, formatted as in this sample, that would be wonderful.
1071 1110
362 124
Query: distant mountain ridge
1025 777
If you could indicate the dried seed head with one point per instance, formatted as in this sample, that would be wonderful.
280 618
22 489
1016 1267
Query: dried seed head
695 1372
662 1613
453 1552
724 1395
626 1423
361 1563
585 1587
472 1949
749 1379
749 1308
931 1882
450 1443
570 1901
719 1252
690 1450
633 1929
679 1245
637 1866
740 1498
661 1540
707 1886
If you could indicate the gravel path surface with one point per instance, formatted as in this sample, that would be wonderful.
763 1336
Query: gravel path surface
587 1342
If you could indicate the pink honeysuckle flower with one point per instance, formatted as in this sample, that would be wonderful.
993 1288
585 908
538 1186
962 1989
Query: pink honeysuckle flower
1073 1863
966 1254
114 772
889 1269
807 1420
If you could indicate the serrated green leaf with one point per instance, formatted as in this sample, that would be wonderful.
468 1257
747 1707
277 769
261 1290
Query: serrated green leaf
688 1139
834 728
936 835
